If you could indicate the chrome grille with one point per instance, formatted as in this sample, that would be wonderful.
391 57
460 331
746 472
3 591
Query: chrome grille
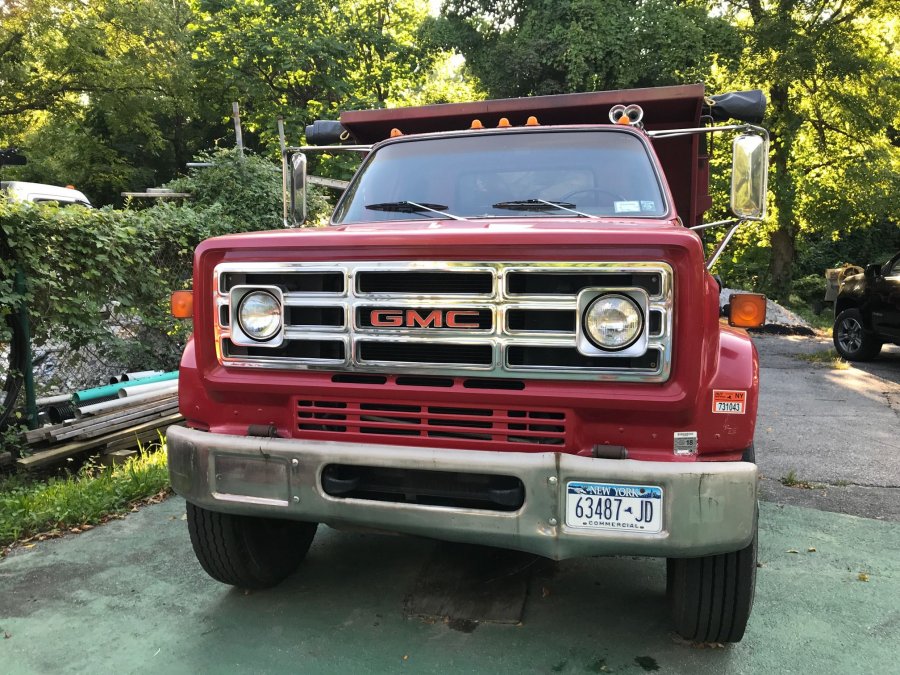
520 318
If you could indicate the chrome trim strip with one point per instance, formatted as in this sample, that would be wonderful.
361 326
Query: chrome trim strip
499 301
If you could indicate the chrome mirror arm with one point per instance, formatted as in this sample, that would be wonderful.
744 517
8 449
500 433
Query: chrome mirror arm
735 224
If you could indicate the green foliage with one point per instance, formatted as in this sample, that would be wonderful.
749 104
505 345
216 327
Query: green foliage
115 95
829 69
29 508
811 288
93 272
531 47
308 59
247 189
101 94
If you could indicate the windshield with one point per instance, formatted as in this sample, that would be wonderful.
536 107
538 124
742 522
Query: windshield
573 173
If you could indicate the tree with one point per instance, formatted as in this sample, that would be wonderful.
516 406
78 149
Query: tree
100 93
309 58
533 47
830 71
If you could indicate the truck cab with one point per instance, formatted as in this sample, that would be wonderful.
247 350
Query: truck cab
508 335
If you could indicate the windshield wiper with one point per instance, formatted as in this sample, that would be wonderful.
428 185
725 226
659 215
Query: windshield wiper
413 207
540 205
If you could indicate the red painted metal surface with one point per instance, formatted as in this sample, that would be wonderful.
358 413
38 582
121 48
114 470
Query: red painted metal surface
640 416
683 159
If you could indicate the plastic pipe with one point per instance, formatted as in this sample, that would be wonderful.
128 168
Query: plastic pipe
126 403
144 388
140 375
51 400
113 389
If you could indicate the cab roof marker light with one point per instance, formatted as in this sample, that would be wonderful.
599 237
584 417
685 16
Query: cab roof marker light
503 123
476 124
396 132
532 121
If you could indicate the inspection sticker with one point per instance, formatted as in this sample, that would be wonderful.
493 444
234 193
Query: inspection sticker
685 442
726 401
627 207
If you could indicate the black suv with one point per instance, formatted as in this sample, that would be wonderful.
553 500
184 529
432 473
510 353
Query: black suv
867 311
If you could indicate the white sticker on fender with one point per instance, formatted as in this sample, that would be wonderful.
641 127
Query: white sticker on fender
728 401
685 442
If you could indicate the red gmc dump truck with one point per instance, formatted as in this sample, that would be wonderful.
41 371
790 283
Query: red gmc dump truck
508 335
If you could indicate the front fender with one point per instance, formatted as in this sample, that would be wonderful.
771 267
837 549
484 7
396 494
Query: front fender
727 434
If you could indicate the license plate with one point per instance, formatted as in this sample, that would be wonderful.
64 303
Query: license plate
606 506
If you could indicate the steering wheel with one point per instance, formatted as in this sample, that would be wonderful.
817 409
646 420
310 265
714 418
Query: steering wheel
593 190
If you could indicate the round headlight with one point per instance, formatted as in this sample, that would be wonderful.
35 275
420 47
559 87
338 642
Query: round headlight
613 322
259 315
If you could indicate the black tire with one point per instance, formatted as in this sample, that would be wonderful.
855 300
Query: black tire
247 552
711 597
851 339
749 455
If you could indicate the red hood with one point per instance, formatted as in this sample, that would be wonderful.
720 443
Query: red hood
468 239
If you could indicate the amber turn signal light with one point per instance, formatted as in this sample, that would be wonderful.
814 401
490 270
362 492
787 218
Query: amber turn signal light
183 304
747 310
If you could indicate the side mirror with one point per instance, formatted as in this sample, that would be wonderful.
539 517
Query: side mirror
873 271
749 176
297 188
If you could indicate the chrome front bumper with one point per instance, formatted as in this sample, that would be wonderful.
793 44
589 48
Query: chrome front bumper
709 507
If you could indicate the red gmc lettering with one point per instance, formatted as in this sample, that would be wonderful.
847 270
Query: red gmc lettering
396 318
455 316
386 317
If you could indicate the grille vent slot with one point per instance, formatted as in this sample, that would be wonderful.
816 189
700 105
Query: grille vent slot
484 425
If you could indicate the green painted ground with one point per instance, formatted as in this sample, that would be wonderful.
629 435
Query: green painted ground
129 598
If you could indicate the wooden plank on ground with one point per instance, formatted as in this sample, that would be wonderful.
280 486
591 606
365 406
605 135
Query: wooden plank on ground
61 452
53 432
145 438
99 426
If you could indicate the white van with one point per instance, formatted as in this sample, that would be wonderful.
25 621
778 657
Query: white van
38 192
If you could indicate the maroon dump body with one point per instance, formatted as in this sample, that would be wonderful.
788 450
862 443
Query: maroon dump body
684 159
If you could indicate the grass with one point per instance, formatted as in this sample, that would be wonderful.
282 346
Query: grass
821 322
31 507
791 480
827 357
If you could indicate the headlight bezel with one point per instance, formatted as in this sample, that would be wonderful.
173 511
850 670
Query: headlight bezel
239 334
587 344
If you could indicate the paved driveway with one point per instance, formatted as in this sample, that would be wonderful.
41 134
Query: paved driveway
837 429
130 598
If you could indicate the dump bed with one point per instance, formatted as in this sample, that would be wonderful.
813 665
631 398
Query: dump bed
684 159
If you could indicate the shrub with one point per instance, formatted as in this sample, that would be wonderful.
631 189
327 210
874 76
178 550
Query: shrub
103 276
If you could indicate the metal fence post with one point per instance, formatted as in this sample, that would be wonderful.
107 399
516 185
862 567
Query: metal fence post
31 411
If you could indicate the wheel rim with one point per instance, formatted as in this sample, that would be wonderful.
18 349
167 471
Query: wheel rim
850 335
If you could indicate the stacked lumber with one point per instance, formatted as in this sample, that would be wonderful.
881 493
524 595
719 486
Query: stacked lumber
110 426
